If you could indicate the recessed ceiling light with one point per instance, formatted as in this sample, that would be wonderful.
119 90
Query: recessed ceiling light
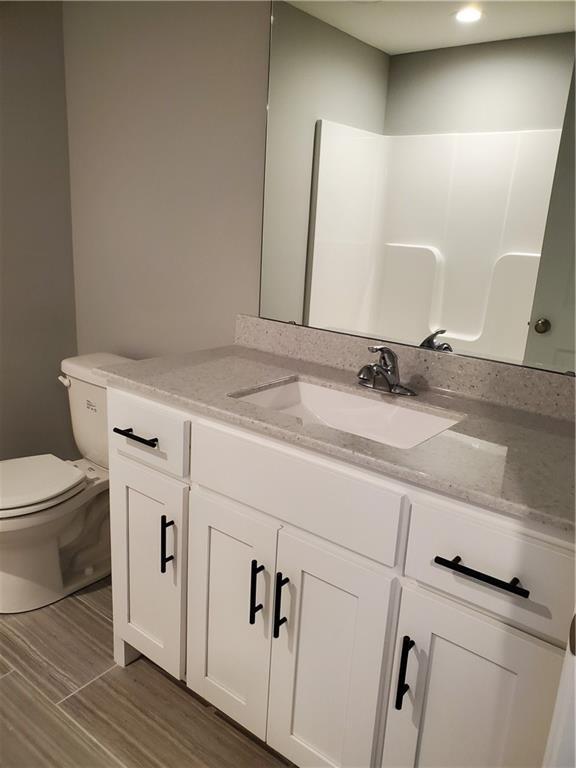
468 15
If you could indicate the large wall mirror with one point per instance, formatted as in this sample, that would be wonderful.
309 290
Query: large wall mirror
420 175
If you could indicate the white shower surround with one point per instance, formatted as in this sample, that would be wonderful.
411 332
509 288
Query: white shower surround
415 233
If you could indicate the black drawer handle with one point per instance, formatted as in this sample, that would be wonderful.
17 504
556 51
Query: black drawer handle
164 525
508 586
281 581
129 433
403 687
255 569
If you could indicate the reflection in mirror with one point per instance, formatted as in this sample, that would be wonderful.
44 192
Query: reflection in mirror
420 175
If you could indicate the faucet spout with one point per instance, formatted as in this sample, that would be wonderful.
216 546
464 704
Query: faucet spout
366 375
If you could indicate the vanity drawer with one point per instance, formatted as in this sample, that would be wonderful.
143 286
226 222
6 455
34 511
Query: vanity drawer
502 553
348 507
165 432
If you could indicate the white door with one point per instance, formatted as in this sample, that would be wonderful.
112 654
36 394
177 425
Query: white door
466 691
149 534
554 294
330 620
561 749
232 554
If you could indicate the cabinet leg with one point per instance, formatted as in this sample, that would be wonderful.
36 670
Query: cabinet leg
124 654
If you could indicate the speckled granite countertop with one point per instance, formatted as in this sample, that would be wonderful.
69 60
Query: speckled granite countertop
508 460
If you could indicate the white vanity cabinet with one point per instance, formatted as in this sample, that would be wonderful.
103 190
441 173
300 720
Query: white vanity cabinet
466 690
492 553
285 634
230 593
149 553
347 620
286 630
327 659
148 456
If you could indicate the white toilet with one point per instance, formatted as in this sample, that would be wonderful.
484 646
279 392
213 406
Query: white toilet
54 514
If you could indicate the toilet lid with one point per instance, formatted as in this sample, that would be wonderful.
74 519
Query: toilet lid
34 479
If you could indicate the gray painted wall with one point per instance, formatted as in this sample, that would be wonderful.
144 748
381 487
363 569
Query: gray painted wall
37 289
502 86
316 72
166 115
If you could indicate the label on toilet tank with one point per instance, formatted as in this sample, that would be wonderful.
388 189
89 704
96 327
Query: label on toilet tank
91 406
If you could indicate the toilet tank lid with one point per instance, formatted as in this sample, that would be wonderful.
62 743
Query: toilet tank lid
33 479
85 367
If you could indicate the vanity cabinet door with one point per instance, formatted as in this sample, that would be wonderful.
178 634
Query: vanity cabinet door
232 554
327 657
149 525
468 691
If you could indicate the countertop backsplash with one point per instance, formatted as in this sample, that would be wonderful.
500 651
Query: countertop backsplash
529 389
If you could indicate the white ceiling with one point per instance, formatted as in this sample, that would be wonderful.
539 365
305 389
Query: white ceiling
404 26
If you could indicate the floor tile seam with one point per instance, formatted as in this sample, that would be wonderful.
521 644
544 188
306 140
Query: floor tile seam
69 717
85 685
93 608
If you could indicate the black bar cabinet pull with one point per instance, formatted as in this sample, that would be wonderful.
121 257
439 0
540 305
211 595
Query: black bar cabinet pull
255 569
403 687
508 586
164 525
281 581
129 433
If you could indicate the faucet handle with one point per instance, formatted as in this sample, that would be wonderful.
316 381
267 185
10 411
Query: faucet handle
388 358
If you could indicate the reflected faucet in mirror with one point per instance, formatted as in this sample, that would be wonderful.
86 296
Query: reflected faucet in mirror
384 375
430 342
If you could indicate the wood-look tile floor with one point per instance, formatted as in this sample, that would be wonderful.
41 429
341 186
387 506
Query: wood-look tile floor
65 704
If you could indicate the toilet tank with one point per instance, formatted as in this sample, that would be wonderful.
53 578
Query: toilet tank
87 397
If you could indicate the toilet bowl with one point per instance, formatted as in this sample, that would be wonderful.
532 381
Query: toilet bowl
54 514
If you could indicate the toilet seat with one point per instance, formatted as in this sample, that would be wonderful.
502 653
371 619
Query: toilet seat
34 483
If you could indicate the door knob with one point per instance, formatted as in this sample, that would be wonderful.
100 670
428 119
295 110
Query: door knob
542 325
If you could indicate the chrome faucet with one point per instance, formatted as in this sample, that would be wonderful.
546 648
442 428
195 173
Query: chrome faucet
385 370
430 342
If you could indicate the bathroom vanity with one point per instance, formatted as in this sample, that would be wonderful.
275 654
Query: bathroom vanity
331 594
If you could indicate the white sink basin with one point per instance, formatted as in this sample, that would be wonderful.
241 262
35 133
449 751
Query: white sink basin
378 417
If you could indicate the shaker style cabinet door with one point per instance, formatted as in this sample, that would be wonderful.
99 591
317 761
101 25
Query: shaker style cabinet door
149 534
329 619
466 691
232 554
